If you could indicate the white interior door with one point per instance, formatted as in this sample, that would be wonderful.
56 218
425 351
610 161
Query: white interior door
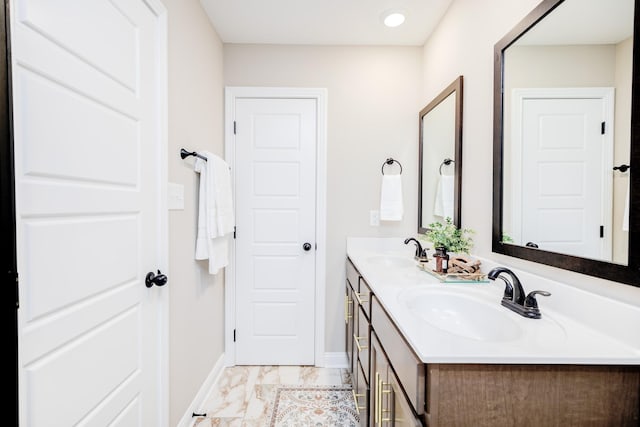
86 91
566 147
275 176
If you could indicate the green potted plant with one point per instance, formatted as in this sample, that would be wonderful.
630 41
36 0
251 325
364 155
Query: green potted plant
446 237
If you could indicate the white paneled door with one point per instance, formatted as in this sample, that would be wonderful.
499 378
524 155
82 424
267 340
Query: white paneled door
566 151
275 175
87 100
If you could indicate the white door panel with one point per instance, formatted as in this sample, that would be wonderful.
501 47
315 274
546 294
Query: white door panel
563 197
275 206
87 131
105 37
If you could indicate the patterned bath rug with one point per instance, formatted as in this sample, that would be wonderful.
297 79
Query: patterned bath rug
313 406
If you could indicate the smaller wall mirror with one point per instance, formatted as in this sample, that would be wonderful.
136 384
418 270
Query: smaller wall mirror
440 158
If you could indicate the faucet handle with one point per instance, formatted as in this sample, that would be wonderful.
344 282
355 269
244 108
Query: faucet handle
531 302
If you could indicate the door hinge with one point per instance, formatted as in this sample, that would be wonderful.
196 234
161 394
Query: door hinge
602 128
234 231
234 127
601 231
17 281
234 335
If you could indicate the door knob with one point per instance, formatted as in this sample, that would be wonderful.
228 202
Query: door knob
153 279
306 246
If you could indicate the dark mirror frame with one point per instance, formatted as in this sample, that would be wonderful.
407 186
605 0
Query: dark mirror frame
629 273
454 87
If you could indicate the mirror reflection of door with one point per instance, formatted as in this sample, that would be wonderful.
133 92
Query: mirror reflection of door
563 144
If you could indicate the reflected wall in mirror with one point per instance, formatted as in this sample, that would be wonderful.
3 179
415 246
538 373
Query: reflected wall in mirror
562 123
440 158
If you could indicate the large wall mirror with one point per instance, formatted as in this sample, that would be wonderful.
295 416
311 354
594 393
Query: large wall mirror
440 158
566 133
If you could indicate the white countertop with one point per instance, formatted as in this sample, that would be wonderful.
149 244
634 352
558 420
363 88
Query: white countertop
607 333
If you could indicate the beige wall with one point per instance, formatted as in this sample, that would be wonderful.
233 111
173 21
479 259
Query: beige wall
373 104
196 123
463 44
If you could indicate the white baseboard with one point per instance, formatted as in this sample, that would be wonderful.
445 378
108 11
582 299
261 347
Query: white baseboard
187 419
335 360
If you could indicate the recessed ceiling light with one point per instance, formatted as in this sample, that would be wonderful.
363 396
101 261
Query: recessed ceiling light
393 19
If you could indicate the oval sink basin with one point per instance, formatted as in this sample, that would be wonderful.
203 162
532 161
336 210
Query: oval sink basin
391 261
464 315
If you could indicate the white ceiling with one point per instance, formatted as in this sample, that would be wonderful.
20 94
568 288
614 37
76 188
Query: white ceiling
323 22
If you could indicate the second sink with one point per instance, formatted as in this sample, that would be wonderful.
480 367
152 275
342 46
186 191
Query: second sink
461 314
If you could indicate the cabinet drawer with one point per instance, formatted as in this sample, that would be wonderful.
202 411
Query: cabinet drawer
408 368
361 396
353 275
361 342
364 296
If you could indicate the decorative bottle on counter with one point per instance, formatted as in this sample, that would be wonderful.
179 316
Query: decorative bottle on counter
442 260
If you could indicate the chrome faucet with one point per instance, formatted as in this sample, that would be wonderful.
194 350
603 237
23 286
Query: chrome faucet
514 298
421 254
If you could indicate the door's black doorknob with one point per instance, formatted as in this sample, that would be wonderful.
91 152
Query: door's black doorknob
152 279
306 246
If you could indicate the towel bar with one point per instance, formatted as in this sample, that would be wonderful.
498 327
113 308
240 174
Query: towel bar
184 154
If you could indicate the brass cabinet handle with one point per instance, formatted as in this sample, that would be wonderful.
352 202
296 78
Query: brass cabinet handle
383 410
356 339
347 315
355 400
359 297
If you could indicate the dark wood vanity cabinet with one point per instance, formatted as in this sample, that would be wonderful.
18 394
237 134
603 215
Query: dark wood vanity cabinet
393 387
377 390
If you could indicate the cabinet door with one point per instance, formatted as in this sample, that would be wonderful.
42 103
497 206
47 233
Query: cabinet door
378 399
348 319
387 404
400 410
355 331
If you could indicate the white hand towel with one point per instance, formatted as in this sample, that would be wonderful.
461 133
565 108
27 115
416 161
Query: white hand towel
222 204
215 211
443 204
391 206
625 217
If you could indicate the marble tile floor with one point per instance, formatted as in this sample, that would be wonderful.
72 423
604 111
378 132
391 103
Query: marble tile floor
243 394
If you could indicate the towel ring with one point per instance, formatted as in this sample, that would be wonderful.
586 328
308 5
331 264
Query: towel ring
447 162
391 161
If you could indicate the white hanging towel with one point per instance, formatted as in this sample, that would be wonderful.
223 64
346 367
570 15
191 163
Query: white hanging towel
625 217
443 204
391 206
215 211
